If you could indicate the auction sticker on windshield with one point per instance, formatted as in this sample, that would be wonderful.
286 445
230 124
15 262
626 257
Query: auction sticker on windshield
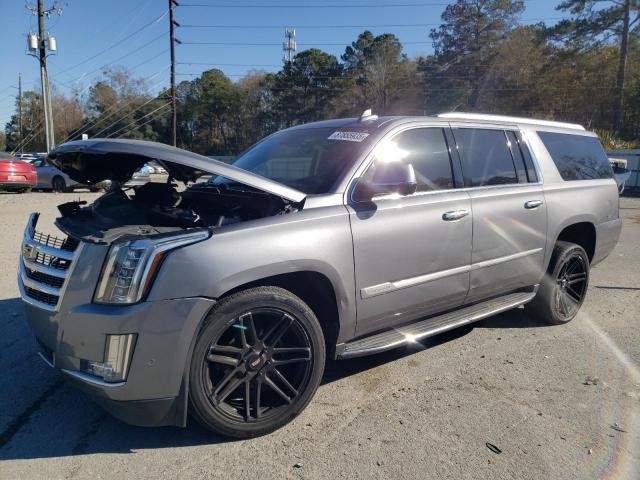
349 136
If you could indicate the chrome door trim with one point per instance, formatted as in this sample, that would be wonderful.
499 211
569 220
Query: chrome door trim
387 287
506 258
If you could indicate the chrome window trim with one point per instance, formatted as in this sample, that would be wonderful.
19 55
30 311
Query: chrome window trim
387 287
536 162
369 158
364 166
393 196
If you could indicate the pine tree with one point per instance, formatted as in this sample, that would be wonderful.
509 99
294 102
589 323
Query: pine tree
466 42
594 23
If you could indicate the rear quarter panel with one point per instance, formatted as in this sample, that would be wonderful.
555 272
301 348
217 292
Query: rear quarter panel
570 202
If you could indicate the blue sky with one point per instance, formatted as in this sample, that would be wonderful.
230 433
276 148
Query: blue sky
91 34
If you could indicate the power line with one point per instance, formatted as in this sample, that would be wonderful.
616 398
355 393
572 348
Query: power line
231 64
447 89
272 5
31 136
128 54
101 118
151 119
107 49
127 115
138 119
390 25
124 116
250 44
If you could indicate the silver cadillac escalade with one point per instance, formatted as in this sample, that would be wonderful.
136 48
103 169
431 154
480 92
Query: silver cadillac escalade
223 298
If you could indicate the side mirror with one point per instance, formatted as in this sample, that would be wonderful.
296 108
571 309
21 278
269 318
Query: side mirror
387 178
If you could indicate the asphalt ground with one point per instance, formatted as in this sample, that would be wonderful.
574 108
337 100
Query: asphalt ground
507 398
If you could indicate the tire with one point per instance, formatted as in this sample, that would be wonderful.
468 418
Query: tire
264 343
58 184
564 287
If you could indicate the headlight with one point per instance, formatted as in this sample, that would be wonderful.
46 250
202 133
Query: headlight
132 265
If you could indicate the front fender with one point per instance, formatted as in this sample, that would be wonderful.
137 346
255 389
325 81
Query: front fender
317 241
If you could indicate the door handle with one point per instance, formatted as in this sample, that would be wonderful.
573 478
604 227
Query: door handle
531 204
454 215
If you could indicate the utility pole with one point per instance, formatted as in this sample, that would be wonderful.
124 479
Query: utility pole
44 79
20 112
40 44
173 41
618 107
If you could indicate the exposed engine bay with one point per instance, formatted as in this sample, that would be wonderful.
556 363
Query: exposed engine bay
156 208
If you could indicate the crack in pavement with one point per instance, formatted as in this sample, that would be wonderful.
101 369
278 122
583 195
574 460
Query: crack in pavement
15 426
83 443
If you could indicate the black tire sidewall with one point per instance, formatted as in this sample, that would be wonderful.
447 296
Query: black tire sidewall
562 252
217 321
58 182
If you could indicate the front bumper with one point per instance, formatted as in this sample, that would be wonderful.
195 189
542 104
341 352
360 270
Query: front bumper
154 391
57 279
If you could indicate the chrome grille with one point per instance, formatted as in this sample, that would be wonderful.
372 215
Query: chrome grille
45 278
44 265
55 262
69 244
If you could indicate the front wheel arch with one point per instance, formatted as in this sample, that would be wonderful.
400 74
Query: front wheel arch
313 288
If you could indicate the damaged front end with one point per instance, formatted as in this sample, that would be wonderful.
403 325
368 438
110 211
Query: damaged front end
161 208
136 228
86 288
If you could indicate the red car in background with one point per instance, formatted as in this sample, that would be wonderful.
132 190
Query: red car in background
16 175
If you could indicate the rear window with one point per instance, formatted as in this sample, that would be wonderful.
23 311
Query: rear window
576 156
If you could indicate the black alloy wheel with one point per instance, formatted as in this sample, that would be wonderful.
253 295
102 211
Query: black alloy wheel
254 370
564 286
571 285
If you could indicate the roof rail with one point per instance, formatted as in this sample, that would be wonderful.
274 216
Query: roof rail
505 118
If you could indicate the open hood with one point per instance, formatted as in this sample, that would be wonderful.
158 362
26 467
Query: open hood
95 160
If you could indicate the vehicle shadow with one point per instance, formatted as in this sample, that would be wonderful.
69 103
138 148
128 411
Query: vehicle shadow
516 318
48 418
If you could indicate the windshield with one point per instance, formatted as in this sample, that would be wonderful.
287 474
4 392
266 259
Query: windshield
310 160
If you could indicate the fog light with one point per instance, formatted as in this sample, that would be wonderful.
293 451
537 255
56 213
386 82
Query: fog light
117 358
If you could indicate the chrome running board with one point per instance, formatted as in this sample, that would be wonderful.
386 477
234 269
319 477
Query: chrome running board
397 337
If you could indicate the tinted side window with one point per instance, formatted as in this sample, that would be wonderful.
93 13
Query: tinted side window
576 156
426 149
486 159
